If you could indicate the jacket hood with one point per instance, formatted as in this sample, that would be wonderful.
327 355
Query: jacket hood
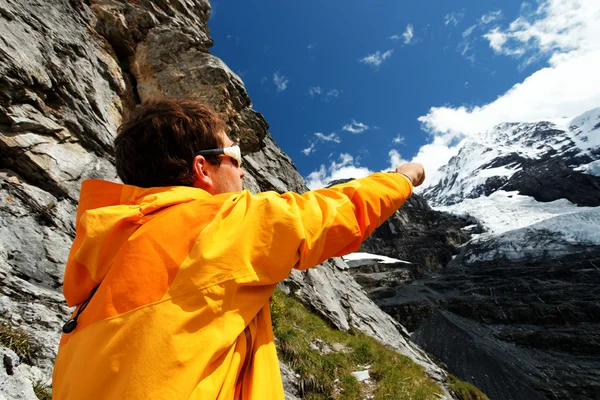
107 215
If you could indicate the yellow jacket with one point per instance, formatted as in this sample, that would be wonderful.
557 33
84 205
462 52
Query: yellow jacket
185 279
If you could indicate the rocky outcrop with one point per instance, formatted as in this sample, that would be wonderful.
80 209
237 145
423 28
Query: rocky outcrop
543 312
417 233
550 178
70 71
13 383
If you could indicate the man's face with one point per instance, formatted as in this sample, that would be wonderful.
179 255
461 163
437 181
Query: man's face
226 177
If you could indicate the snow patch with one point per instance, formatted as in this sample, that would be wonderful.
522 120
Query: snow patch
368 256
592 168
552 237
506 211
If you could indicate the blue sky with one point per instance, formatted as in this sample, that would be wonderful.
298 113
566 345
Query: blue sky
349 87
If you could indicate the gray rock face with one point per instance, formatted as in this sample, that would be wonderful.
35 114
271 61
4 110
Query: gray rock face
14 384
421 235
502 370
70 70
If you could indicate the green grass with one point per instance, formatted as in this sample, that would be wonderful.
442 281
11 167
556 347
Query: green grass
464 390
42 391
328 376
15 339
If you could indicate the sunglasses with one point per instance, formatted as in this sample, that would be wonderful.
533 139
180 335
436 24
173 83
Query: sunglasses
233 152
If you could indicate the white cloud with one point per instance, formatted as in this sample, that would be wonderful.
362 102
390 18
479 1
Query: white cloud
311 46
395 37
396 160
434 155
398 139
280 81
468 31
332 137
309 149
568 33
496 39
558 28
454 18
408 34
552 92
490 17
314 90
345 167
377 58
320 137
355 127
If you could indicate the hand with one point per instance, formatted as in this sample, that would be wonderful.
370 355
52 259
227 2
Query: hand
413 171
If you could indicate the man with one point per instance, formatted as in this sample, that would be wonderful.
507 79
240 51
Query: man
172 272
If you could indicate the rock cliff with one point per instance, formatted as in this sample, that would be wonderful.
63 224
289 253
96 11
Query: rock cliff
70 70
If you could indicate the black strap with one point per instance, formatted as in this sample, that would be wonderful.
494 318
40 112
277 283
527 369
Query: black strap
71 324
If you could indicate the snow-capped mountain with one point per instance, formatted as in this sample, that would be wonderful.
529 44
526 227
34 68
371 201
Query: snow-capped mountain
522 178
502 157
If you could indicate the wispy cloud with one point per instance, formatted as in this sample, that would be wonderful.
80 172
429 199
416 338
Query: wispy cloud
395 37
491 17
377 58
314 90
309 149
466 46
454 18
311 46
343 168
280 81
398 139
408 34
321 138
235 38
332 137
355 127
468 31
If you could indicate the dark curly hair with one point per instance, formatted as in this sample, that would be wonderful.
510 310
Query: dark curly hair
157 144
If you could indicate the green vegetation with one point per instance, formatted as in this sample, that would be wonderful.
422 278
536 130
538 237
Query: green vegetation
15 339
42 391
327 374
464 390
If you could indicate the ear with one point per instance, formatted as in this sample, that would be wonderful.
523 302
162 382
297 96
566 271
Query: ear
203 178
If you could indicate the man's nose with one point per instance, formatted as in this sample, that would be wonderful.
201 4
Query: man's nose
242 173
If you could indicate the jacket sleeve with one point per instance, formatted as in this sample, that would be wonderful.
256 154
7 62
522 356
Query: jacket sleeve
301 231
